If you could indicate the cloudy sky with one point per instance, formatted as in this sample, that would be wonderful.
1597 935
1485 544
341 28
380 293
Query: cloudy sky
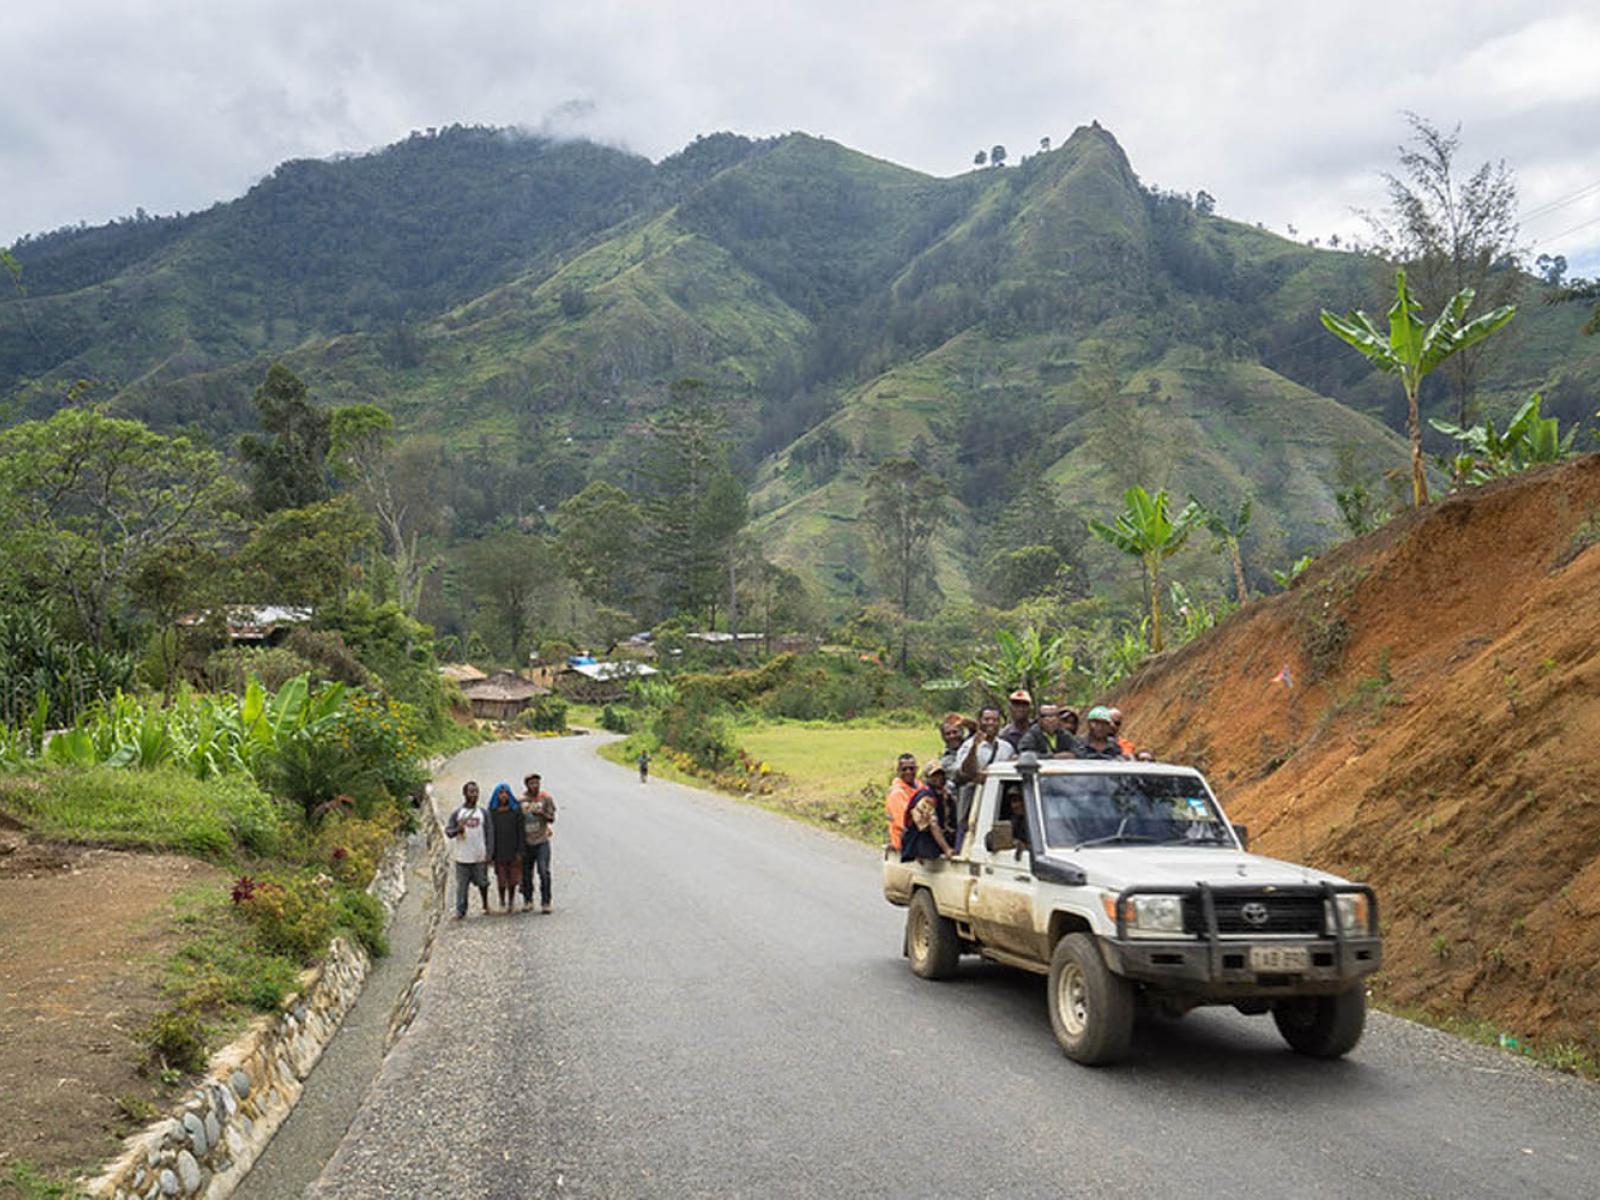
1286 112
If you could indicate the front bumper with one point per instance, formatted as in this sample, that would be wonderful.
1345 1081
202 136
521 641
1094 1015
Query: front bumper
1220 969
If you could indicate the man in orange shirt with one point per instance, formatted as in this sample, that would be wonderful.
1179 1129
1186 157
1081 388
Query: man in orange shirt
1116 733
899 798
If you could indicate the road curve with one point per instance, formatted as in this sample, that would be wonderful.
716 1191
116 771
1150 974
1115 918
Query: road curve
718 1007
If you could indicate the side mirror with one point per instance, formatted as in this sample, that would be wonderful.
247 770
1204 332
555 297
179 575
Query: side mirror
999 838
1243 832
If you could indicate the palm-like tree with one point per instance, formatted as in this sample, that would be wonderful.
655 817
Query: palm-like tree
1228 531
1146 531
1026 660
1413 349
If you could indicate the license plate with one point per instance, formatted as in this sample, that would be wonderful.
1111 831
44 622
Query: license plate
1279 960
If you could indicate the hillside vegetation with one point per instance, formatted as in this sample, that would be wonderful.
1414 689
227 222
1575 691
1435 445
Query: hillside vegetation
1438 740
1058 323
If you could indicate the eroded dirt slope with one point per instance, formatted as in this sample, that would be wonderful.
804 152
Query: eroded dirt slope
1440 739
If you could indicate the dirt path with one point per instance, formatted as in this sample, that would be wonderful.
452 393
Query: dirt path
81 932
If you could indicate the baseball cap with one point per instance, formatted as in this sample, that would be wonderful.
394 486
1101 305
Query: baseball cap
933 766
1100 713
1020 696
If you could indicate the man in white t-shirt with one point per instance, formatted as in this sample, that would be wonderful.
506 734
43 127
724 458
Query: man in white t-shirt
471 837
984 747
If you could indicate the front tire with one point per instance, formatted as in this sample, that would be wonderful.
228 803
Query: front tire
932 944
1091 1009
1323 1026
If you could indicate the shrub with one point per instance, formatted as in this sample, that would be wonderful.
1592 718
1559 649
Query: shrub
230 670
317 774
293 915
350 847
328 654
547 714
697 729
617 720
176 1039
360 913
382 736
162 809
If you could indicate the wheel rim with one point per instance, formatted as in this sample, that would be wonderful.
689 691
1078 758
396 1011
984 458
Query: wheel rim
921 939
1072 1000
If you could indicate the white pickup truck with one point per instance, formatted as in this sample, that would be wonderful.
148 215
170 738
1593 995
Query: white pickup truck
1125 884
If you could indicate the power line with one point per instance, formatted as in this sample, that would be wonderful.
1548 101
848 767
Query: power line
1560 202
1557 237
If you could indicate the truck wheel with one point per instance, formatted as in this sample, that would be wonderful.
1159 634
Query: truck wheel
931 940
1323 1026
1091 1009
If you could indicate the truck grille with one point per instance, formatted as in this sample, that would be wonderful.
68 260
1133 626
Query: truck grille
1287 913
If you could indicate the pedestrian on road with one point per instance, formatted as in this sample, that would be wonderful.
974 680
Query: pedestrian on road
540 809
644 765
471 838
509 825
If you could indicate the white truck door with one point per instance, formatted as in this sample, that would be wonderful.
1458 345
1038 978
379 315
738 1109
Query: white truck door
1001 899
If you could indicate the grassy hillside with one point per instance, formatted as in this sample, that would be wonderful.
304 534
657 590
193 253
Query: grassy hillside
1056 321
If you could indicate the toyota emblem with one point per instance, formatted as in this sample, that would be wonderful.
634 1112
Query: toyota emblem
1255 913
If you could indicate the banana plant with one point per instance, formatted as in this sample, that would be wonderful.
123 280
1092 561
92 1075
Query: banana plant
1414 348
1027 660
1146 531
1227 532
1529 440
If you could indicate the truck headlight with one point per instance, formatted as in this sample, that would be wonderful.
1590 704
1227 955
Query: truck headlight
1354 913
1148 914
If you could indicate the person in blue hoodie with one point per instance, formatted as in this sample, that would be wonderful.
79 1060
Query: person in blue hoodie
509 829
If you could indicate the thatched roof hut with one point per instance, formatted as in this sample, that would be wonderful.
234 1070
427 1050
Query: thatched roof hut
501 696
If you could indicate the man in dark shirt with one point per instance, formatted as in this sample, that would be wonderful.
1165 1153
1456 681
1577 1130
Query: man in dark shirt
1100 743
1021 711
1049 738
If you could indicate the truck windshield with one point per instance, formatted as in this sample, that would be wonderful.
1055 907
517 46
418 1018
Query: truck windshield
1112 809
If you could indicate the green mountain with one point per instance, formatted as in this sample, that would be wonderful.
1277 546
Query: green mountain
1054 324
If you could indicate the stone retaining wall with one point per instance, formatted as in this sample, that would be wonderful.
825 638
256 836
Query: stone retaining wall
205 1147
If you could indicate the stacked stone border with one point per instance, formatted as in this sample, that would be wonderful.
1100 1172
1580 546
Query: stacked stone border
207 1144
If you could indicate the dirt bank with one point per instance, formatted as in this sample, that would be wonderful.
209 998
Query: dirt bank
1440 739
82 935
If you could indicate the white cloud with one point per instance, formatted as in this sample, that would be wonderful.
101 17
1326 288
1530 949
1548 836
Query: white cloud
1286 113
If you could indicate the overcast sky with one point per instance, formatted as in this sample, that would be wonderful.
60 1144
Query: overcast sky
1286 112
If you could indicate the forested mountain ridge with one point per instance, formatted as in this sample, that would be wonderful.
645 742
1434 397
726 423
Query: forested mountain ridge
1054 324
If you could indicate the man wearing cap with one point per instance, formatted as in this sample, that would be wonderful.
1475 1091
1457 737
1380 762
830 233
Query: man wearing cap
898 801
1021 712
1049 738
1101 742
925 821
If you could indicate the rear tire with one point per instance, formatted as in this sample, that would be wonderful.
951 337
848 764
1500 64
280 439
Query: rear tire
932 944
1091 1009
1323 1026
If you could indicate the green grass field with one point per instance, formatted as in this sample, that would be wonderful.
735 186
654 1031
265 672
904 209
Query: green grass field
833 775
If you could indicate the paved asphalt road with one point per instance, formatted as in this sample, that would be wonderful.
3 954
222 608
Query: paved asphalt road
718 1007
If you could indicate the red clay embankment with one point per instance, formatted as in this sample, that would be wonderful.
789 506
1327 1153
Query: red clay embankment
1440 740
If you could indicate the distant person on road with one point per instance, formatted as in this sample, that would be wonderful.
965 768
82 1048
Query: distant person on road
471 838
898 800
1101 743
644 765
927 818
1049 738
539 809
1021 714
508 825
